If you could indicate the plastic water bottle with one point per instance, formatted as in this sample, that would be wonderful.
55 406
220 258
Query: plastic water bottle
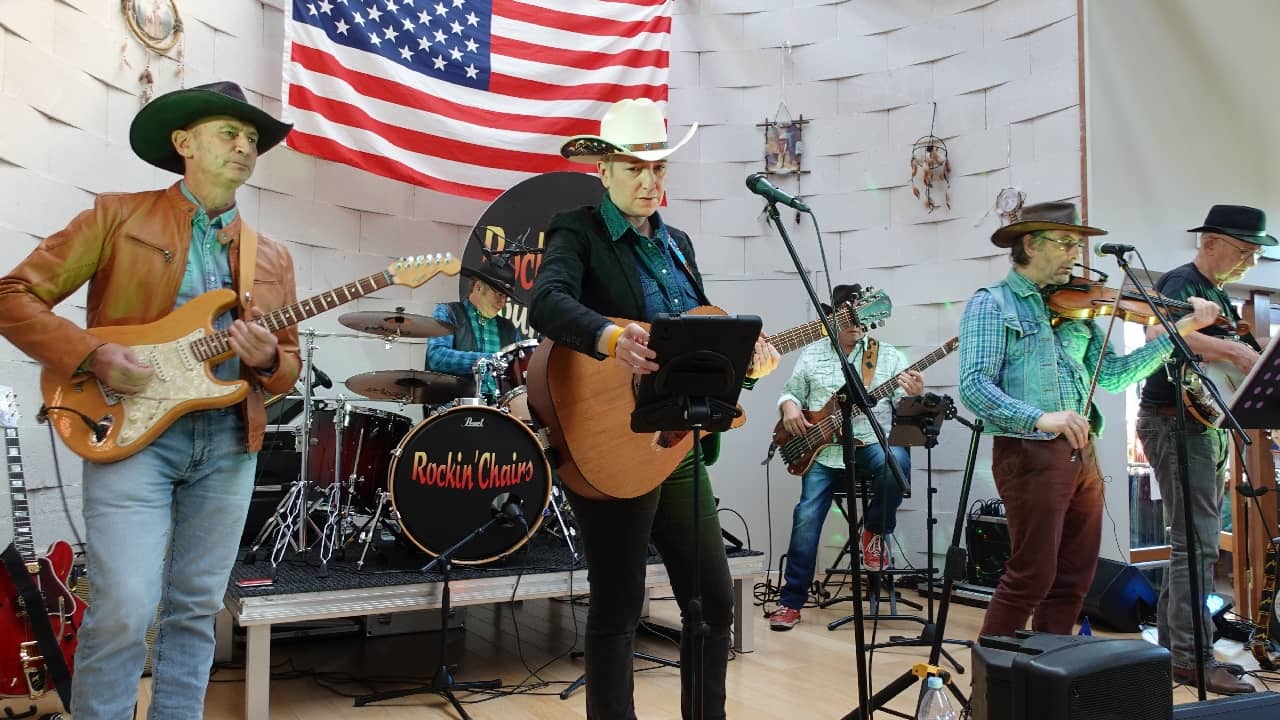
934 704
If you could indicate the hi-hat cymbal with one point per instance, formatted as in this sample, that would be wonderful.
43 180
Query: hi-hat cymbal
411 386
395 323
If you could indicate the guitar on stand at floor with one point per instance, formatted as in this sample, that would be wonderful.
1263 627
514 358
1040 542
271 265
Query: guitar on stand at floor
23 670
102 426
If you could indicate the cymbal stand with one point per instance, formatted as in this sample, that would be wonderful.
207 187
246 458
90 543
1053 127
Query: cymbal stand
291 510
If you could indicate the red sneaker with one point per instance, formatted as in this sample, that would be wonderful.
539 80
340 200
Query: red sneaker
875 554
784 618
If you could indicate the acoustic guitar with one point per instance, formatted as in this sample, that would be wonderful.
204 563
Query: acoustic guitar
586 404
22 664
798 451
102 426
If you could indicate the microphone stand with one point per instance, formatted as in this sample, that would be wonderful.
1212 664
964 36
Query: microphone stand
859 395
1184 359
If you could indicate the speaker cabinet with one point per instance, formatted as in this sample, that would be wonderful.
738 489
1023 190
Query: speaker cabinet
1120 597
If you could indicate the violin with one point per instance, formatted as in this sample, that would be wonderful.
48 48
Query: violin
1084 299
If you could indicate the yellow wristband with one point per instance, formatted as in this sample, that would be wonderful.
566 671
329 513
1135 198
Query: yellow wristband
613 341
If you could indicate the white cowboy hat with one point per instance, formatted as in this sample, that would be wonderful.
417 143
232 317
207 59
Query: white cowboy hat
634 128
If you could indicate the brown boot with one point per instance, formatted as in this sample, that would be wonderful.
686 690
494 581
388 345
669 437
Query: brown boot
1217 679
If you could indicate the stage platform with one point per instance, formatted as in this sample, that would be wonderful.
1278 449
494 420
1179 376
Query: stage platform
544 568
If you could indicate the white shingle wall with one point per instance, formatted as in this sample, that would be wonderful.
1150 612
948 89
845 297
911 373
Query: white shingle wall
864 74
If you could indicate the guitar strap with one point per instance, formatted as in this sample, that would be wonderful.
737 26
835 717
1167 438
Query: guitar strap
38 615
870 356
248 263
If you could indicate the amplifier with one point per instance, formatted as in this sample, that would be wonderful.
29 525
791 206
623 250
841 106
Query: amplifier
987 539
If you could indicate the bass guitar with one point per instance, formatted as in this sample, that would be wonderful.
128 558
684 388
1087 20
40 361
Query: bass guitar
798 451
103 426
585 406
22 663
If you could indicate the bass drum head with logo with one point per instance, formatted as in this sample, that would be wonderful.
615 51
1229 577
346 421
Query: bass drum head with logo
449 469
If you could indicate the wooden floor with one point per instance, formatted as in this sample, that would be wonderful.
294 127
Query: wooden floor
808 667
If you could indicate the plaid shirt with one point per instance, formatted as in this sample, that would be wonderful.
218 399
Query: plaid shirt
1007 366
444 358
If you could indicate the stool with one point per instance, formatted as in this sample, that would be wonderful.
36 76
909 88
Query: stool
880 583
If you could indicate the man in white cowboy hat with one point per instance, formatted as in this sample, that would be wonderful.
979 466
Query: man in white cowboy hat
163 524
479 330
620 259
1231 240
1028 379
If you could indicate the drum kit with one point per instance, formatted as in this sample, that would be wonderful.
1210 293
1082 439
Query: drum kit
363 470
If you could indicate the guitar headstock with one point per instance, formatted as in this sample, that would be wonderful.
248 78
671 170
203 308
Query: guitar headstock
416 270
9 413
870 307
951 345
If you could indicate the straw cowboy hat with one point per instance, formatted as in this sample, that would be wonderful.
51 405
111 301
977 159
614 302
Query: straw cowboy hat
634 128
152 128
1043 216
1239 221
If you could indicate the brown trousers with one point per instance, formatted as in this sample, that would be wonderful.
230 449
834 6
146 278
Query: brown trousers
1054 509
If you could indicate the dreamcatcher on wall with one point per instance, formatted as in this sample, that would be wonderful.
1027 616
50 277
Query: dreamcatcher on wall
931 169
157 25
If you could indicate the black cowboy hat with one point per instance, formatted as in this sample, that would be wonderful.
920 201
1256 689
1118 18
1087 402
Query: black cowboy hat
1043 216
497 271
152 128
839 294
1239 221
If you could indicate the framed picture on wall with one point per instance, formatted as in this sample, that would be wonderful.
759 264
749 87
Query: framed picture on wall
155 23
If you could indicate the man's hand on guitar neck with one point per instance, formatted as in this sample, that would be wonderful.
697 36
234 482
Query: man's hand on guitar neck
117 367
255 344
764 359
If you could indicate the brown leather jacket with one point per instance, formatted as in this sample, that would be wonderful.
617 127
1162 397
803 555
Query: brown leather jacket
132 250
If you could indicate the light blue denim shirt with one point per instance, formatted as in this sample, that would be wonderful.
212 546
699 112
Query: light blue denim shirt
1015 366
208 268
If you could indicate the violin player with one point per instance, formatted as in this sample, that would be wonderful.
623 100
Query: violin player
1031 382
1231 240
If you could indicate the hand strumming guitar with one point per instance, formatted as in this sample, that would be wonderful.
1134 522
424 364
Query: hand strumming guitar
120 369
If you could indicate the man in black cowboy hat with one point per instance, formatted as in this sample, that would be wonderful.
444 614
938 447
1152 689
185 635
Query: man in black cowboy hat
1029 380
816 377
1231 239
163 524
479 330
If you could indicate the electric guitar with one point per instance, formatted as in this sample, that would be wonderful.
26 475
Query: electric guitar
585 406
22 667
103 426
798 451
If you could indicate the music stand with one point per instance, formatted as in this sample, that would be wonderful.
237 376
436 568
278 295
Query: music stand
506 510
695 389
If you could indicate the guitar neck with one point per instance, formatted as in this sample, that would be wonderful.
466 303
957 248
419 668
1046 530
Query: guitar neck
22 539
886 388
216 346
808 333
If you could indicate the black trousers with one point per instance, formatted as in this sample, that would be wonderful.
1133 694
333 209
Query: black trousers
615 538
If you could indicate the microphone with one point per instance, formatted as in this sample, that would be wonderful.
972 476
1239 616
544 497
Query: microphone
760 185
508 507
321 378
1105 249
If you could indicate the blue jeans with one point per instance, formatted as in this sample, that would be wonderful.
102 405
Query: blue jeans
163 529
815 502
1206 462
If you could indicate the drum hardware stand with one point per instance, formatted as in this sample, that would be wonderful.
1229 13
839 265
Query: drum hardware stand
557 497
369 530
954 568
506 511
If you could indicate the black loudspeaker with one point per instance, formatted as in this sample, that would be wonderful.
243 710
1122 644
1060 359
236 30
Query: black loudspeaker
1070 677
1120 597
987 538
1254 706
278 466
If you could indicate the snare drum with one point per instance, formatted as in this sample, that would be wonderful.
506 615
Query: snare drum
368 439
449 469
513 364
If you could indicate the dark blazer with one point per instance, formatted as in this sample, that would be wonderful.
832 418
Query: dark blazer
585 276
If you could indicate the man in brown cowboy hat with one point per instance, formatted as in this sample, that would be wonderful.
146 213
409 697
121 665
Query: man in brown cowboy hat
479 331
1231 239
1029 380
163 524
620 259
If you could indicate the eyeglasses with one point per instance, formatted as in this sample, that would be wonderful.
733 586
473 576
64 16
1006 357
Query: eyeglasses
1068 244
1246 252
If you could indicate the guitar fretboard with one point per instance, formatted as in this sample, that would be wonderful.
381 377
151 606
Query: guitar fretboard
810 332
214 346
22 540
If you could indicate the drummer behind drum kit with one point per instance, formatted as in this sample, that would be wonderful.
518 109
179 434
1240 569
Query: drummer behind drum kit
443 477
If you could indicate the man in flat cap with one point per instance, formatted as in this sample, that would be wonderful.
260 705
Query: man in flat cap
163 523
1029 380
1232 238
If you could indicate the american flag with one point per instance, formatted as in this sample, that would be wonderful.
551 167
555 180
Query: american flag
468 97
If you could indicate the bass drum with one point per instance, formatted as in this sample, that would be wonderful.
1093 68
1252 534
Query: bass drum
450 468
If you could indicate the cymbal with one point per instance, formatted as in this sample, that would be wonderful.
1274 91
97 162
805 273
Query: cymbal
411 386
395 323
